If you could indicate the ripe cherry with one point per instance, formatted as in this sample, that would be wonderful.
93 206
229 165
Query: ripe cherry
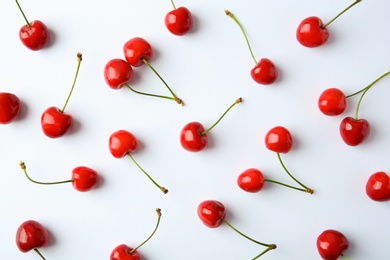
122 143
83 178
212 214
34 35
31 235
9 107
264 71
137 52
193 136
124 252
117 73
378 186
332 102
179 20
331 244
312 32
54 121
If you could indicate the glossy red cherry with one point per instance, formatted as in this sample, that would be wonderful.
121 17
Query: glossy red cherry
117 72
121 143
251 180
331 244
31 235
9 107
354 132
211 213
311 32
332 102
137 49
264 72
378 186
179 20
279 140
84 178
193 137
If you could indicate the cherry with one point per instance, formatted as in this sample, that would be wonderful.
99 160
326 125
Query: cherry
312 32
83 178
137 52
122 143
124 252
117 73
332 102
54 121
9 107
179 20
331 244
264 71
378 186
31 235
34 35
212 214
193 136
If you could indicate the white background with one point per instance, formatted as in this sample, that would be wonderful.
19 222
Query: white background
208 69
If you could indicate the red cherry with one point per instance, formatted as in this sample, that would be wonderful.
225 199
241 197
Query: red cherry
354 132
332 102
312 33
122 252
264 72
55 123
84 178
279 140
331 244
31 235
137 49
179 21
251 180
9 107
117 72
378 186
211 213
121 143
193 138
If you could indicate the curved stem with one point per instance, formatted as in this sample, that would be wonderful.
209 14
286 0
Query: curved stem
178 100
79 59
39 253
164 190
173 4
265 251
308 190
231 15
24 16
239 100
147 94
337 16
151 235
286 185
23 166
343 256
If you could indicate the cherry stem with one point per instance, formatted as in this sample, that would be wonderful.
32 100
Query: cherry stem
79 59
178 100
24 16
231 15
148 94
365 91
337 16
286 185
151 235
39 253
345 257
307 189
173 4
23 166
163 189
239 100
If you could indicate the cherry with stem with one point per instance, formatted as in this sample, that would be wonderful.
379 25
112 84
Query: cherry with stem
179 20
32 235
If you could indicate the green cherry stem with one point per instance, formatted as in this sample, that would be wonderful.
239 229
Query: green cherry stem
306 189
24 168
337 16
345 257
286 185
173 4
151 235
39 253
148 94
24 16
239 100
178 100
163 189
231 15
79 59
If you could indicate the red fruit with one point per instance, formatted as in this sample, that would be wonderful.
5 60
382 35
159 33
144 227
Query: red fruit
122 252
311 32
354 132
36 36
264 72
332 102
331 244
251 180
179 21
279 140
137 49
117 72
121 143
211 213
9 107
378 186
84 178
192 137
55 123
31 235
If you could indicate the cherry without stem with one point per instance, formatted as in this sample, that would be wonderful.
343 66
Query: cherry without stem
378 186
9 107
264 71
179 20
331 244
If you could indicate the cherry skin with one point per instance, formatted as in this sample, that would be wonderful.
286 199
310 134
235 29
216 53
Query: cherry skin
121 143
331 244
211 213
192 137
55 123
122 252
264 72
332 102
279 140
179 21
354 132
31 235
378 186
137 49
117 72
84 178
251 180
9 107
36 36
311 32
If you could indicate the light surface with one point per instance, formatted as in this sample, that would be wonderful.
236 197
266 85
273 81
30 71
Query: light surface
209 69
